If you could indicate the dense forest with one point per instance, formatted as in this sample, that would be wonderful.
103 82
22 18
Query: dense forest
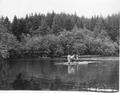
55 35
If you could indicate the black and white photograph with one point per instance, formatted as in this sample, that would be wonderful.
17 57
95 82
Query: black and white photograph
59 45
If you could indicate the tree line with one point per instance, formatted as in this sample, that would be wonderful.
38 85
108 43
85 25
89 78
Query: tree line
55 35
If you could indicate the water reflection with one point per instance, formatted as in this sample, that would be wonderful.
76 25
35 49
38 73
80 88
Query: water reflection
87 75
71 69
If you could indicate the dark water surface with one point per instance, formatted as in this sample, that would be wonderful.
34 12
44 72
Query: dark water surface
97 75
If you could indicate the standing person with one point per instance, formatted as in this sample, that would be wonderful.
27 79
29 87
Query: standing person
69 58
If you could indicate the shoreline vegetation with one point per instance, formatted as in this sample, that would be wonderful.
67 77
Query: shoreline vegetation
55 35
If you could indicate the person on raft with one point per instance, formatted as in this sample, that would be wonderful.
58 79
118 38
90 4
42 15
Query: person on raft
72 58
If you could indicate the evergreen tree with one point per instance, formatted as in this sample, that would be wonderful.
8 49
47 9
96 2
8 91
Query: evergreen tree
43 29
99 26
57 25
49 19
7 23
15 27
69 23
112 26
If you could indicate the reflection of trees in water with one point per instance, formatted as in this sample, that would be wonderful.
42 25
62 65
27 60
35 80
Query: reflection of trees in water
4 74
114 77
36 83
42 67
21 84
91 75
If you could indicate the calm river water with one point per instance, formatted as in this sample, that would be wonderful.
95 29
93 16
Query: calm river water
102 74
